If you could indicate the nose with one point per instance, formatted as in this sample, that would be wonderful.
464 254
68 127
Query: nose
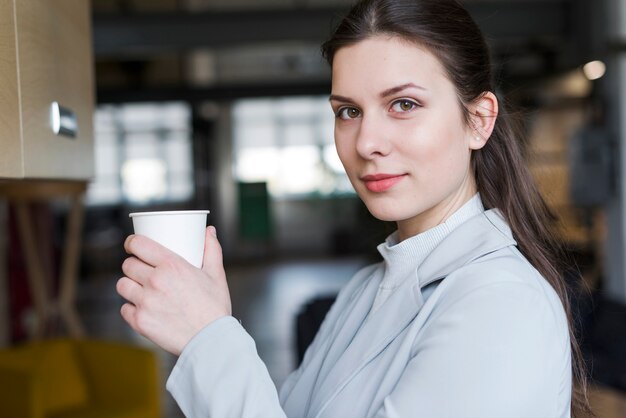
372 139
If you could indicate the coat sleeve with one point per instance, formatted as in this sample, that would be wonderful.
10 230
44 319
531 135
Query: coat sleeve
219 374
500 350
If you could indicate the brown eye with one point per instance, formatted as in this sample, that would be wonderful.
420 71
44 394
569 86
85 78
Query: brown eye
347 113
403 105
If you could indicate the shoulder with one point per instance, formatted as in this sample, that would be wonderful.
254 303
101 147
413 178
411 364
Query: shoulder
493 321
505 268
503 322
502 289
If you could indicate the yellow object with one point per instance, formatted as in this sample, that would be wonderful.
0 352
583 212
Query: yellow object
66 378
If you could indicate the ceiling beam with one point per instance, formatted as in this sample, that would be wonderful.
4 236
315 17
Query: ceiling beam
147 34
141 34
214 93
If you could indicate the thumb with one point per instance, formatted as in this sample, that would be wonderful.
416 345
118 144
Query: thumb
212 262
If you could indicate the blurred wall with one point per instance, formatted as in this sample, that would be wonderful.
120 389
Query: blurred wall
615 101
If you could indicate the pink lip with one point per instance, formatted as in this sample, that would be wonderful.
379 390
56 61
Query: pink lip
381 182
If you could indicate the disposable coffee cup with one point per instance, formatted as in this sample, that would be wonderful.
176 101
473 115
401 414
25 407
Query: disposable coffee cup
180 231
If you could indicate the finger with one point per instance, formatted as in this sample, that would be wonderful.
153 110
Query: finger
129 290
137 270
129 313
147 250
213 263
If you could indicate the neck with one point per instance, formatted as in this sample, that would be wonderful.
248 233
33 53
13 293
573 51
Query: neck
437 214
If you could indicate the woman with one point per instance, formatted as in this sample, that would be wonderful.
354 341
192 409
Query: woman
467 316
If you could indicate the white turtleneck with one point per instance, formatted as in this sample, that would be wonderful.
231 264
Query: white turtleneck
400 258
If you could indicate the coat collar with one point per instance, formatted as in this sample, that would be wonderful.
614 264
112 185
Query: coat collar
479 236
363 336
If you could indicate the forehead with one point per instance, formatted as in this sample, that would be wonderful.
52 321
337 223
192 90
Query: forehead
381 62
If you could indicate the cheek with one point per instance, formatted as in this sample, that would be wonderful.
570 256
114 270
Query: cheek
344 146
439 152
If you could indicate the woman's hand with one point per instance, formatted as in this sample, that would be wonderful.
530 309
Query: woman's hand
170 301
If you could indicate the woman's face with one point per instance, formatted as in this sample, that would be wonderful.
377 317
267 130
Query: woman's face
400 132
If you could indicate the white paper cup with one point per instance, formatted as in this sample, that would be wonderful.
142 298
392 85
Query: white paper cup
181 231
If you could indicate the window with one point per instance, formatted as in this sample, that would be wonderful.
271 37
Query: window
288 143
143 154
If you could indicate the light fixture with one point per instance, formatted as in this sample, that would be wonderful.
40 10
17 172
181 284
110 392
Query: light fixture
594 70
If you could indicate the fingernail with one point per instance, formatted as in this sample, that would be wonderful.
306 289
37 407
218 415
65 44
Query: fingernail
213 231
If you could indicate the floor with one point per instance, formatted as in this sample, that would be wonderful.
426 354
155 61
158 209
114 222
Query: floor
266 298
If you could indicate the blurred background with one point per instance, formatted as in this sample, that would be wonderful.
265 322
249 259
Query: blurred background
222 105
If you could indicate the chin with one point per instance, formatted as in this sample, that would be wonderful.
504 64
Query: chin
387 214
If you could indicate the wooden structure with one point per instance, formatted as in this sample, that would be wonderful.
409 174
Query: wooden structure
47 307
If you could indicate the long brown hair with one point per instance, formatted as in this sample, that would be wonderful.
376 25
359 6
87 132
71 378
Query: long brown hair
447 30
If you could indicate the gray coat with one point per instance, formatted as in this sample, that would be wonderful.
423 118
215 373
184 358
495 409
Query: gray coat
475 332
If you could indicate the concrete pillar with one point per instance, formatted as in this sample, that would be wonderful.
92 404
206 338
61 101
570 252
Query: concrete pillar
614 89
225 212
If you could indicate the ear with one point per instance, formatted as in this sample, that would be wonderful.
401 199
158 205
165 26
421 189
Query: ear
483 114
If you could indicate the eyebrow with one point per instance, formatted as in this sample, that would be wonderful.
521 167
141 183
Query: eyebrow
383 94
338 98
399 88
